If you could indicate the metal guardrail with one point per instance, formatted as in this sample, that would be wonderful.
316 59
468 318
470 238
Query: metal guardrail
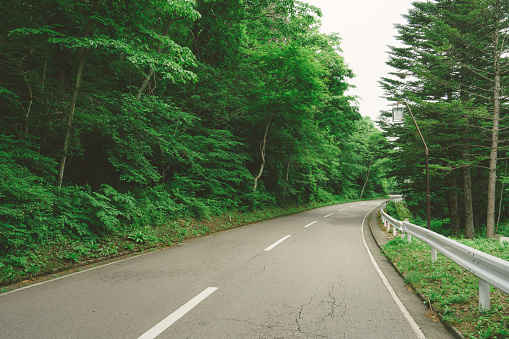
489 269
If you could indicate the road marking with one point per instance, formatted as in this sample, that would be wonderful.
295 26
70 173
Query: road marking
353 205
328 215
72 274
169 320
341 210
277 243
413 325
310 224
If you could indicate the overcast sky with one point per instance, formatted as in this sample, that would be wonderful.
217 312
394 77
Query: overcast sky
366 28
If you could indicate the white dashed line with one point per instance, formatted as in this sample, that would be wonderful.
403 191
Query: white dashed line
277 243
310 224
169 320
328 215
341 210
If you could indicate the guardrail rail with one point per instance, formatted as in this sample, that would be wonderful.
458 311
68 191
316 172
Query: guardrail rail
489 269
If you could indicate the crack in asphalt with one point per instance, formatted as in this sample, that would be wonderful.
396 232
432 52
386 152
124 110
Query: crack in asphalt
342 302
299 316
270 326
332 304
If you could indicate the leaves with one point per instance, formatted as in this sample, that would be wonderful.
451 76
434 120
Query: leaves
174 99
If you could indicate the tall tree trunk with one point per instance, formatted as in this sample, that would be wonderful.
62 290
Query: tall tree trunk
263 147
287 177
467 189
453 204
74 99
492 177
69 120
501 199
365 181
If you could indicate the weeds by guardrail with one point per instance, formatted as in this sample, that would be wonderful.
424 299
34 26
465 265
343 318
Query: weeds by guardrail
489 269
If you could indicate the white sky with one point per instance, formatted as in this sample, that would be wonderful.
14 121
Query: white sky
366 28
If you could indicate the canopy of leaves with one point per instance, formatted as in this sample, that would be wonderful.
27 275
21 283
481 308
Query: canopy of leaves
174 102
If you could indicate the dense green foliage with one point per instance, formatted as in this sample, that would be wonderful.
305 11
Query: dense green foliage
452 69
118 115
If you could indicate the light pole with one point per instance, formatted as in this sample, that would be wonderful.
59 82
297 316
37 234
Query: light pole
397 115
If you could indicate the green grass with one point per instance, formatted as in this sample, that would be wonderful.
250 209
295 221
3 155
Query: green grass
453 291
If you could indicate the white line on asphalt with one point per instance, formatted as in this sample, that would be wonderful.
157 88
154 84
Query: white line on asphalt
310 224
328 215
71 274
353 205
169 320
277 243
413 325
341 210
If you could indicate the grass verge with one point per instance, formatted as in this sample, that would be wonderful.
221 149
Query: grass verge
451 290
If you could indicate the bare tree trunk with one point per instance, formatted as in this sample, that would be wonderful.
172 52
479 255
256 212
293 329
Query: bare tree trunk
288 167
501 197
454 205
287 173
366 181
69 120
467 189
492 177
29 108
263 147
44 72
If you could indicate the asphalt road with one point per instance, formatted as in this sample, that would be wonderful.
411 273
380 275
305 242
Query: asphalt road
308 275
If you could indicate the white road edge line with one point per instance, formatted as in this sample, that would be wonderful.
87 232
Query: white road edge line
85 269
328 215
341 210
310 224
413 325
169 320
277 243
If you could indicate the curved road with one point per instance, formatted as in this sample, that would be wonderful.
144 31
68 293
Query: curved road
308 275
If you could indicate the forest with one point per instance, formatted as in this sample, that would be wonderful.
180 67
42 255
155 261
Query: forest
118 117
452 70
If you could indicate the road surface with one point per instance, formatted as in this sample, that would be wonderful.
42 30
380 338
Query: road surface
308 275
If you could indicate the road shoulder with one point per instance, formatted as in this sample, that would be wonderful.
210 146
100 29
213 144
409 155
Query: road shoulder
376 236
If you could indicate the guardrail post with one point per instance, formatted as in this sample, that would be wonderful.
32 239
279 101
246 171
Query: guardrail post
434 255
484 295
394 231
387 225
408 236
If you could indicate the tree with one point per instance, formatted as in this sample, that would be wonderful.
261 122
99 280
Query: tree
452 59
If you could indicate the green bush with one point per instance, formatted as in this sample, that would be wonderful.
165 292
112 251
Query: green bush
26 197
398 210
